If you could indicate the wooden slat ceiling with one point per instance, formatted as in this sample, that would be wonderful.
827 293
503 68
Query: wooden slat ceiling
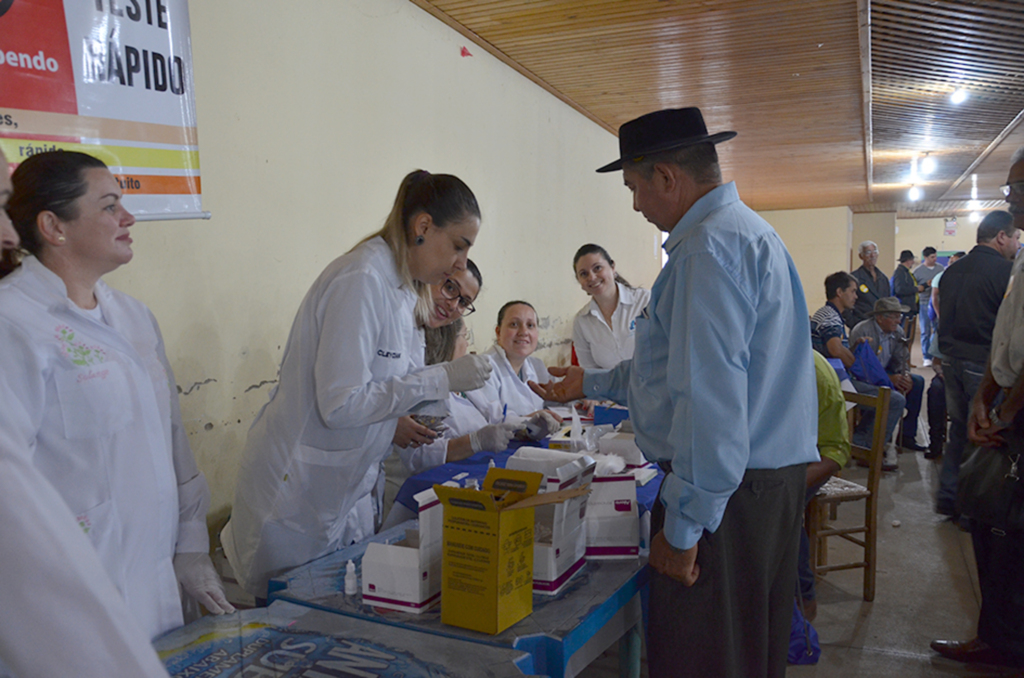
831 98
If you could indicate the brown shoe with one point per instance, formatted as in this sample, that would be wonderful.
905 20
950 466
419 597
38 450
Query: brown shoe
972 652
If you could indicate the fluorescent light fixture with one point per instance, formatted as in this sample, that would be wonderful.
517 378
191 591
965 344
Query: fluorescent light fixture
959 96
927 165
914 193
974 204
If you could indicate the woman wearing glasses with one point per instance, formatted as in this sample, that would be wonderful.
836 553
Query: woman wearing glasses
348 372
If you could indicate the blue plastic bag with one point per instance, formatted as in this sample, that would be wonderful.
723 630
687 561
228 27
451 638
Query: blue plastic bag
803 640
867 367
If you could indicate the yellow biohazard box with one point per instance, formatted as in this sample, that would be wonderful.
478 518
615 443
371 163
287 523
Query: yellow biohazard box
487 549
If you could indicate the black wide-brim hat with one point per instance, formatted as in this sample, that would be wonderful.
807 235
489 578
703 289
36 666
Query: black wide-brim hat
663 131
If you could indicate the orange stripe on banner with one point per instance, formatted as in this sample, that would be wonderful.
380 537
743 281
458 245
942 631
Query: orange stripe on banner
147 184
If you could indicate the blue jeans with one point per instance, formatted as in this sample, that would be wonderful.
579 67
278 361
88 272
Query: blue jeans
862 434
913 398
962 380
927 327
804 571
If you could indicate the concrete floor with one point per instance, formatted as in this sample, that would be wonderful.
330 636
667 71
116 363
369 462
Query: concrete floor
927 588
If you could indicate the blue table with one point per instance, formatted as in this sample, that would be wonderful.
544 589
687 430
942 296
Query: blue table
294 640
600 605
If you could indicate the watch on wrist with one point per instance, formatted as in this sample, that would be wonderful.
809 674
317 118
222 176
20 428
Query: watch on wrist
993 417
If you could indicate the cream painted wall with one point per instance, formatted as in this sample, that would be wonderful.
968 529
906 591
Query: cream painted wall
916 234
819 242
879 227
307 122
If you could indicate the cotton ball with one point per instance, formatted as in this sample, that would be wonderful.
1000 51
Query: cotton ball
608 464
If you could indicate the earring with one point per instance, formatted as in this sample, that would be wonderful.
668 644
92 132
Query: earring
420 240
61 238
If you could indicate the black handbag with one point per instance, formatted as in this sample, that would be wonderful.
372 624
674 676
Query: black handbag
990 489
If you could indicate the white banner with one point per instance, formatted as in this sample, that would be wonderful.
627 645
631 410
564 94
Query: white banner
112 78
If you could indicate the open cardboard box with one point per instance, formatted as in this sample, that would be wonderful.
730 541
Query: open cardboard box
560 531
487 549
406 575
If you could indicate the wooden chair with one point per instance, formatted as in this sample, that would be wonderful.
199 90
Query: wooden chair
838 490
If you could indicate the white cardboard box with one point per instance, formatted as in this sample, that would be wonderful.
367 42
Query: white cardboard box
621 445
406 575
613 524
560 551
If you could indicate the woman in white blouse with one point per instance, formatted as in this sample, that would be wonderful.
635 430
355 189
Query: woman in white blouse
602 332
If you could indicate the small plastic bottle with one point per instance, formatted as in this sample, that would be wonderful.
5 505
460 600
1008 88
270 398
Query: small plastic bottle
490 463
351 583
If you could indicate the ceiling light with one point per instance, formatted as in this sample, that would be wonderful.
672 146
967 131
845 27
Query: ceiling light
974 204
975 217
974 188
927 165
914 193
959 96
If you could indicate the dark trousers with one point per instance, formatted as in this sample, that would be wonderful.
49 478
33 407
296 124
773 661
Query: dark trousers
735 621
1000 559
962 380
914 397
937 414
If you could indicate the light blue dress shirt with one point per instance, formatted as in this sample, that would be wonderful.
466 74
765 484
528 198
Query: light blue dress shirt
720 380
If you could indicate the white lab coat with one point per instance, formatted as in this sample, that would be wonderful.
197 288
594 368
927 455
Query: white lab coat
600 346
313 452
59 613
506 387
95 405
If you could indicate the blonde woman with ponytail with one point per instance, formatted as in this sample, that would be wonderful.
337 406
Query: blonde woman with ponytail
313 453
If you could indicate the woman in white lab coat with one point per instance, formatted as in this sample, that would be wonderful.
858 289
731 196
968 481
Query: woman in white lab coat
602 332
506 395
313 453
86 389
54 585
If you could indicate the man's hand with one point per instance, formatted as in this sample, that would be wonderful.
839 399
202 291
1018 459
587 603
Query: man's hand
982 430
679 565
570 388
408 432
902 382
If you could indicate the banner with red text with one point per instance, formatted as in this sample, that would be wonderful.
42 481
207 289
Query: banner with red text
112 78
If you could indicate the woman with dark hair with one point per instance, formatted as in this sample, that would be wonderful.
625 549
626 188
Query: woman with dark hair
349 371
86 386
506 397
602 332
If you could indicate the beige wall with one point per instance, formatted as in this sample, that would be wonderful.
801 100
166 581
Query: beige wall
879 227
819 242
307 122
916 234
306 128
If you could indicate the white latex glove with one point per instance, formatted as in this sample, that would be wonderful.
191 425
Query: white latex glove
200 580
542 424
493 438
467 373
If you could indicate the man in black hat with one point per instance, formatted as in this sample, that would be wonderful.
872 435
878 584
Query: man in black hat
722 394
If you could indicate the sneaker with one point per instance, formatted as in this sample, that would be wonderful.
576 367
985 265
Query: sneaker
927 362
890 461
911 444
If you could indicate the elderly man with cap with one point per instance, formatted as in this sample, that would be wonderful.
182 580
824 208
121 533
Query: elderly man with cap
883 333
722 395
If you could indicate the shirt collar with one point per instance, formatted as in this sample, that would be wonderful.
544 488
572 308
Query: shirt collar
384 260
627 297
718 197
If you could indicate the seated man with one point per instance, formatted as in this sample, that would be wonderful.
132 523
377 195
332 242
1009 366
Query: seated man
834 449
883 333
828 337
